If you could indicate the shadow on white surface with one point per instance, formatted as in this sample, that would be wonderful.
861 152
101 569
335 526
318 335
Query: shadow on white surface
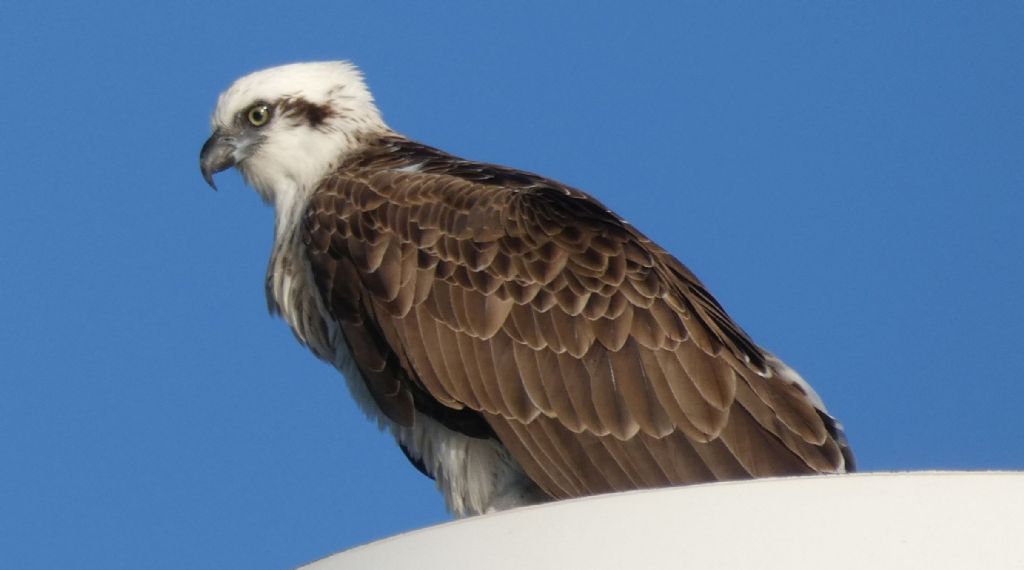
890 520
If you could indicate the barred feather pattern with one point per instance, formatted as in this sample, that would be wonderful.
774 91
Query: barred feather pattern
498 306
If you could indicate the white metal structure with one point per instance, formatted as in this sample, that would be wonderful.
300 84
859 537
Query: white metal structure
873 520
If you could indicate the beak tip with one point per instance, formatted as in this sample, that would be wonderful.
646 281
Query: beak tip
209 180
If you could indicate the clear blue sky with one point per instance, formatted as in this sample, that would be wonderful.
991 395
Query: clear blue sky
848 178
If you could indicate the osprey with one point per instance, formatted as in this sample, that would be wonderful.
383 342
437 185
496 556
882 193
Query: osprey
521 342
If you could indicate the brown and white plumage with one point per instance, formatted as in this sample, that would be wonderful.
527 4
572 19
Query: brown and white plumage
521 341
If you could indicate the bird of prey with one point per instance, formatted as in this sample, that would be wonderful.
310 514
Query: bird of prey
521 342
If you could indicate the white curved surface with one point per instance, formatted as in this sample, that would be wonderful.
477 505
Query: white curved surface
887 520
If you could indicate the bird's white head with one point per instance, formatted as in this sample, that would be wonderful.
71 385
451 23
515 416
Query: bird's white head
285 127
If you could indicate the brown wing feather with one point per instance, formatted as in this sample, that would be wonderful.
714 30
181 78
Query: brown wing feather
598 359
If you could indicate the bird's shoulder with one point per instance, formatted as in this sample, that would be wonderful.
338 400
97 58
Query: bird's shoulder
495 228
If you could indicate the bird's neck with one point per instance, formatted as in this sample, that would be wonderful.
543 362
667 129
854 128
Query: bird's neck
289 203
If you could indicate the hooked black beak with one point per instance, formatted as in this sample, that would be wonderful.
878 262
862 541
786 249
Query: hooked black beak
218 154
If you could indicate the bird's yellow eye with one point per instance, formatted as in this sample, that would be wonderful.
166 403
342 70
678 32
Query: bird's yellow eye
258 115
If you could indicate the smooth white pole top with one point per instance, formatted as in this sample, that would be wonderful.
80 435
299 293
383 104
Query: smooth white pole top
873 520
